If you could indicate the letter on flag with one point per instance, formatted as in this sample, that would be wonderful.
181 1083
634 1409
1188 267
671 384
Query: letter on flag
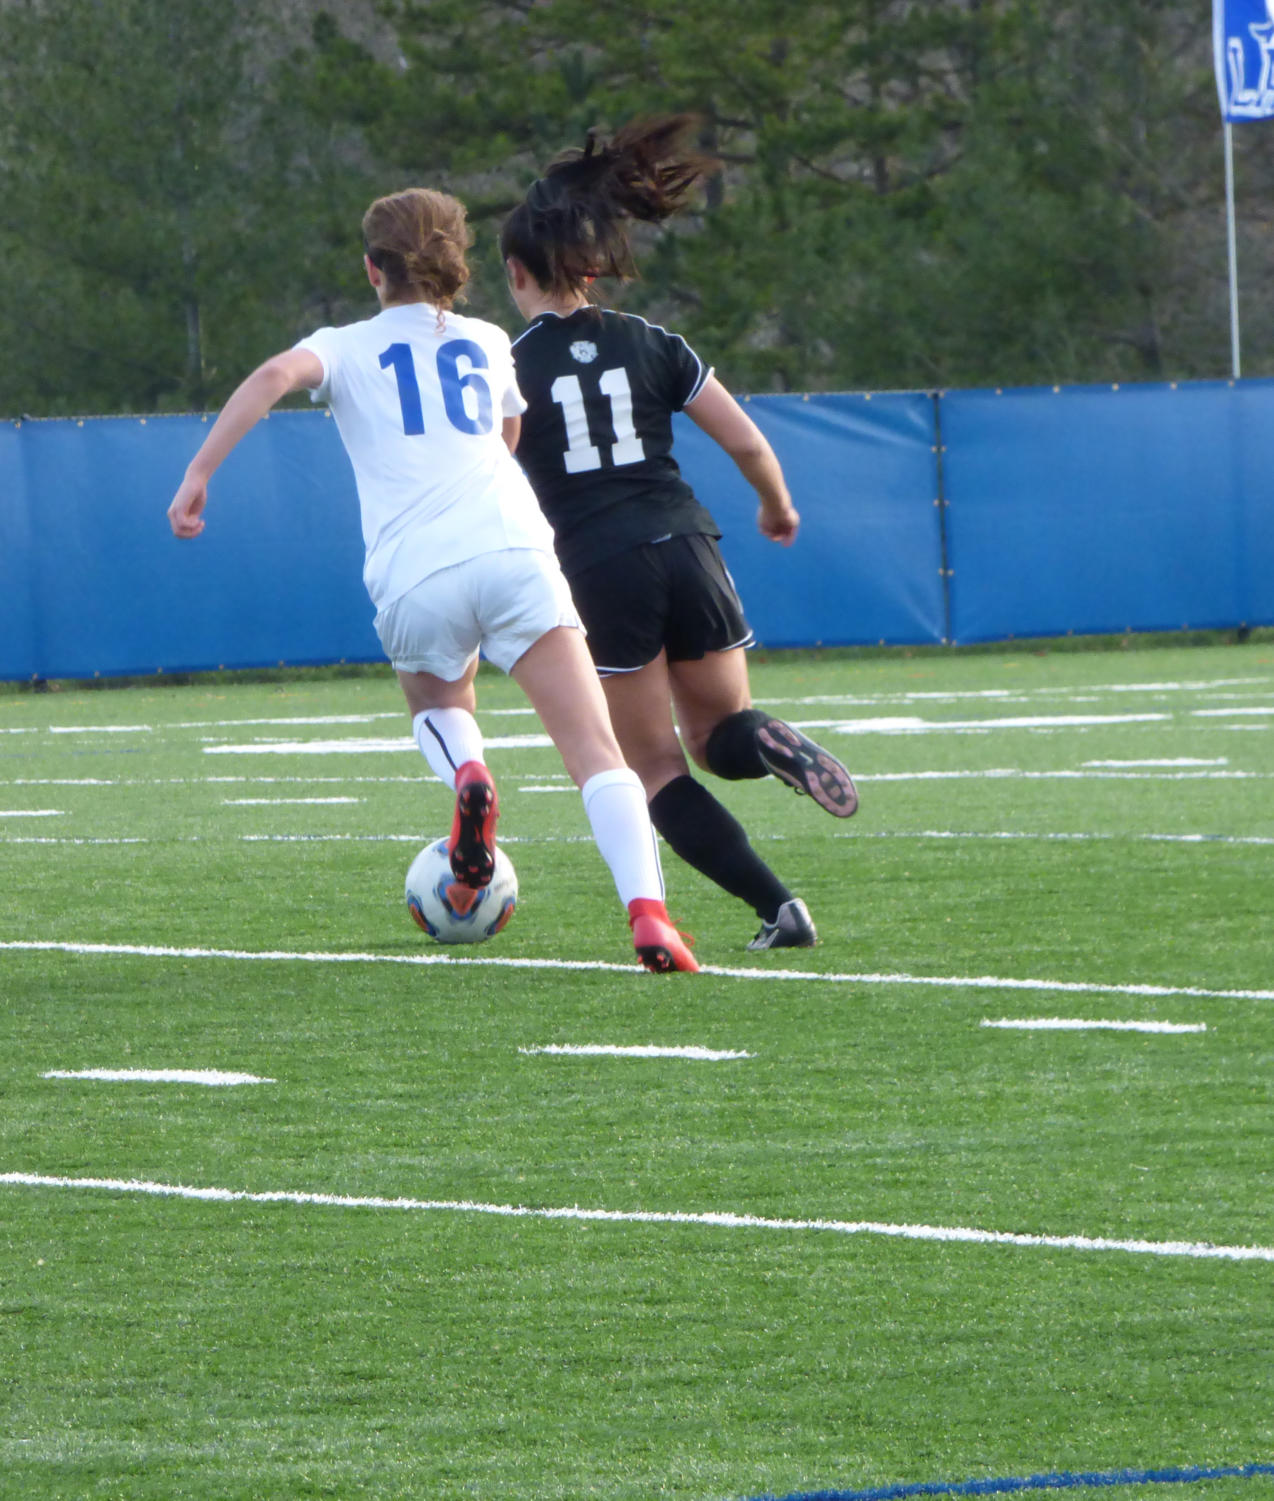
1243 51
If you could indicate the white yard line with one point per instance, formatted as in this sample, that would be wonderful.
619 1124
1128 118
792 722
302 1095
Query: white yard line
234 724
286 802
350 747
1257 685
912 725
420 839
722 1220
34 839
1090 771
639 1050
1079 838
363 747
1009 773
32 813
253 781
423 775
769 976
546 839
1165 761
74 782
101 729
214 1078
1074 1024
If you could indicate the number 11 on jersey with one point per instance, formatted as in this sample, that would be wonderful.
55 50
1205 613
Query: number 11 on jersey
581 453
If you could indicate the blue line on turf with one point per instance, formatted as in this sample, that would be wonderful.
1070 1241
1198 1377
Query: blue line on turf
1063 1480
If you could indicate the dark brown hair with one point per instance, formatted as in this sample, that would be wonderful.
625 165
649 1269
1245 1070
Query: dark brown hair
417 239
574 223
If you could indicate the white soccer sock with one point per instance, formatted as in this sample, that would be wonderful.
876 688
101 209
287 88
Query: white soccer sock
447 739
615 802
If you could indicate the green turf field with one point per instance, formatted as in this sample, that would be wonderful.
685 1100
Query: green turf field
879 1242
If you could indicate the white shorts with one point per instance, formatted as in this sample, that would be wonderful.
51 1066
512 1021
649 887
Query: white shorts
501 602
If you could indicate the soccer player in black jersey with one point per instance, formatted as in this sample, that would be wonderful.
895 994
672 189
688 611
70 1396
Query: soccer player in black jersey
665 625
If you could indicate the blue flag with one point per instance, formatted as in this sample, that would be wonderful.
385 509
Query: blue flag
1243 52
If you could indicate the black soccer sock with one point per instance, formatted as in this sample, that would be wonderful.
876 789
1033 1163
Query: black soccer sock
731 751
706 835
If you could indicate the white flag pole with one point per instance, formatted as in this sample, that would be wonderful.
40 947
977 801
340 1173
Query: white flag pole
1233 250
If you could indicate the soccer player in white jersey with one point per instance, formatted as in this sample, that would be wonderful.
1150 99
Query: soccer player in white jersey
665 624
459 556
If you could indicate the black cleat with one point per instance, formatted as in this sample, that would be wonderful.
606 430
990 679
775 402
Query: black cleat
812 771
792 928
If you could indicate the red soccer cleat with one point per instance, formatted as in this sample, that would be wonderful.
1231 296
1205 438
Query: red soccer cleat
660 947
471 848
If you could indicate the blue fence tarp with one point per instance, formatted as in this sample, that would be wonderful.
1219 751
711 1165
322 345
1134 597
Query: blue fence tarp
1077 510
20 651
866 566
276 577
1098 509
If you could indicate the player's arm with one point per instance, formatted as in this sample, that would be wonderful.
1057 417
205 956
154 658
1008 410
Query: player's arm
293 370
725 421
512 430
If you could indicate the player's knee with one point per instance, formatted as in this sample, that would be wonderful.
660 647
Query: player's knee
730 750
656 766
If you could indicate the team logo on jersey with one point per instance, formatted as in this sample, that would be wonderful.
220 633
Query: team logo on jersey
584 351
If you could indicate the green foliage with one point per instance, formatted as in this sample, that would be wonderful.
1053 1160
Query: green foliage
912 195
918 195
151 195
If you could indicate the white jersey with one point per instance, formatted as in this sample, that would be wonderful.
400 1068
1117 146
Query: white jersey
419 403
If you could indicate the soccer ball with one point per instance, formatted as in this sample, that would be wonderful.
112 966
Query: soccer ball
452 913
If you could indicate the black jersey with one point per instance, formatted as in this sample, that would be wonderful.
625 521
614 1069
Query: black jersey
596 444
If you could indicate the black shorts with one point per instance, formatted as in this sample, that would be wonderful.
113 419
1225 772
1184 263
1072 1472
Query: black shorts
676 595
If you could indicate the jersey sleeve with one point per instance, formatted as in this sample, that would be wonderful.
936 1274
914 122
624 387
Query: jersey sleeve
324 345
689 373
512 402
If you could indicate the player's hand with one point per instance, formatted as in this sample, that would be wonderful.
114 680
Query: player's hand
779 526
185 514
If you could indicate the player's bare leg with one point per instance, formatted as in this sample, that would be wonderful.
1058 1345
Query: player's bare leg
557 675
694 823
707 692
640 706
727 736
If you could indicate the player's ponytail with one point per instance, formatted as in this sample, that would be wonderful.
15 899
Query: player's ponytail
417 239
574 223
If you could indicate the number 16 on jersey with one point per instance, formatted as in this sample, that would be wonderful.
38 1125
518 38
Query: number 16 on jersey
453 382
